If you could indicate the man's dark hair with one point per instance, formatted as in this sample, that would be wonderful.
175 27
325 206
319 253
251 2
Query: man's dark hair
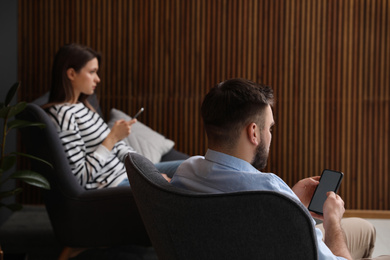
232 105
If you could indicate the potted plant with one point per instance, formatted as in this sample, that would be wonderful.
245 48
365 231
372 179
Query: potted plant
8 160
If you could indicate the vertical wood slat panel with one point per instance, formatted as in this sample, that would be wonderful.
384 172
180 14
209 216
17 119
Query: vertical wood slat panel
328 62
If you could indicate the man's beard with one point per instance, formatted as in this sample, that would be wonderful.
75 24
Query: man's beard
261 156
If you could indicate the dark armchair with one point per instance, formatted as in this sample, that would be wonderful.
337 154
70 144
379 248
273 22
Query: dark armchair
241 225
80 218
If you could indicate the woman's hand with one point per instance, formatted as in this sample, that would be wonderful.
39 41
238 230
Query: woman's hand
304 189
119 130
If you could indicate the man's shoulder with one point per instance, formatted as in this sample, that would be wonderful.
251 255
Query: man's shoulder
193 160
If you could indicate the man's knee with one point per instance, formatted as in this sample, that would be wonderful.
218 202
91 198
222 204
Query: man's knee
358 225
360 235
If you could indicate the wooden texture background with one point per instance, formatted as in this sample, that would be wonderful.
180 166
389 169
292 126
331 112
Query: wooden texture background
327 60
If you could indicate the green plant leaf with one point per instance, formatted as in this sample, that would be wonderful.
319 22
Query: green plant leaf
32 157
22 123
8 162
4 111
13 207
11 93
9 193
32 178
16 109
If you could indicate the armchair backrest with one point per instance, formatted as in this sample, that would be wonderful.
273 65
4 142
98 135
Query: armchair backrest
241 225
46 144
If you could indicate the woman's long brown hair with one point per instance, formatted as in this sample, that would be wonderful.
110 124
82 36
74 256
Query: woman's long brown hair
74 56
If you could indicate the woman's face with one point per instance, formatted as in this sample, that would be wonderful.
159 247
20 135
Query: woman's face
86 80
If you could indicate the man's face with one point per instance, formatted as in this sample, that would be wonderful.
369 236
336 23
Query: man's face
262 150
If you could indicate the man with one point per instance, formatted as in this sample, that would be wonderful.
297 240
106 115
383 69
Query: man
238 119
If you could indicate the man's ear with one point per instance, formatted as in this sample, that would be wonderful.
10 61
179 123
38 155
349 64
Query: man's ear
71 73
253 133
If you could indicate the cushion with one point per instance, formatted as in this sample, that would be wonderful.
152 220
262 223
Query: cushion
143 139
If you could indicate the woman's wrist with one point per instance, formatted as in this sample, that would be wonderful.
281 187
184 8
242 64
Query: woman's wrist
110 141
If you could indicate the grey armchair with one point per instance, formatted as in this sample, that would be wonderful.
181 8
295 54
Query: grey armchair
80 218
242 225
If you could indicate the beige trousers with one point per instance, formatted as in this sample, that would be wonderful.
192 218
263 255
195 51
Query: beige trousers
360 236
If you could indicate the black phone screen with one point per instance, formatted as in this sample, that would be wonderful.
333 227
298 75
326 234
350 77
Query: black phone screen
329 181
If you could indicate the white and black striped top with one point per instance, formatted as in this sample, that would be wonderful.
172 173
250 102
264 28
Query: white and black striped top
82 132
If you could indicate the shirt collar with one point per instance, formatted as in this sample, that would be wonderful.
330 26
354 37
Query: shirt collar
229 161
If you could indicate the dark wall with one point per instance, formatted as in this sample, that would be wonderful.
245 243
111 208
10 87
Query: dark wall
327 60
8 67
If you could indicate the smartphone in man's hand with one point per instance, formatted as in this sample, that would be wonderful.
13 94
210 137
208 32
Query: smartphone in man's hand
329 181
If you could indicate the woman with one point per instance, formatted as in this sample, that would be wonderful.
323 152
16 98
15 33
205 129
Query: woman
94 151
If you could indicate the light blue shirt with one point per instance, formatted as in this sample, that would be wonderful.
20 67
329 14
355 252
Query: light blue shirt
219 173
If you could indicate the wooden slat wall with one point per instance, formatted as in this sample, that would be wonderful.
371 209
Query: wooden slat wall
327 60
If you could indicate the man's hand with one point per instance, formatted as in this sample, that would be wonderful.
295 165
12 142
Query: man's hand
334 236
304 189
333 209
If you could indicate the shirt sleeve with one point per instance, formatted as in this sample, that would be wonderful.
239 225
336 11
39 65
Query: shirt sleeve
121 149
84 166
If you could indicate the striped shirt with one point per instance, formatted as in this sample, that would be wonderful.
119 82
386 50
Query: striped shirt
82 132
